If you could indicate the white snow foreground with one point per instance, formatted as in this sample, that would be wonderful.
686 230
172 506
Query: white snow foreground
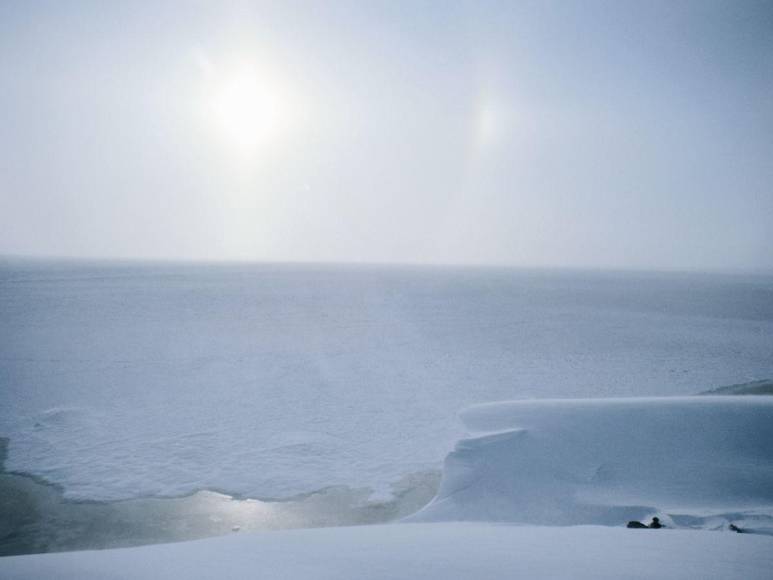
445 551
694 461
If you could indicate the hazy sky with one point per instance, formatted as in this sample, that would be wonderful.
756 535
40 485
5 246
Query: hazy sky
605 134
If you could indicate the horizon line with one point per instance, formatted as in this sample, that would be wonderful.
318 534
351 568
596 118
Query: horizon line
599 268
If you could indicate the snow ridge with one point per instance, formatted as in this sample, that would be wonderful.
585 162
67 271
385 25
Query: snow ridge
694 461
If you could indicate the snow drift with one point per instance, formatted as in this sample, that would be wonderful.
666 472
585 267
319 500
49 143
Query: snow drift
695 461
448 551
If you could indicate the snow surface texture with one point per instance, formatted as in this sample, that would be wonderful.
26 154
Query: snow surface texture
130 380
693 461
447 551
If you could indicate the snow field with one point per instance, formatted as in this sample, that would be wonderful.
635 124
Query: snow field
448 551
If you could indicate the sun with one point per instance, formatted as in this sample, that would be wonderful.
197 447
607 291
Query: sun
248 110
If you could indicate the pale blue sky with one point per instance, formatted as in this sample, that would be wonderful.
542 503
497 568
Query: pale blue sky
601 134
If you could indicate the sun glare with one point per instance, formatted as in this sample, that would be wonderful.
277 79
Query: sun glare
248 111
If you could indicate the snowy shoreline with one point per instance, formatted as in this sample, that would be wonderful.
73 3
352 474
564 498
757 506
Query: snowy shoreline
569 463
35 517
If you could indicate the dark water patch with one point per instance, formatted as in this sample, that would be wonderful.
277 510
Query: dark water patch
35 517
763 387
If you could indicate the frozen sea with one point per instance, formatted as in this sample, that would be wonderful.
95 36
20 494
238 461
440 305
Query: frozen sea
127 380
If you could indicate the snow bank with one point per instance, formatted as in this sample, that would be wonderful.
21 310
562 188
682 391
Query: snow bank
445 551
695 461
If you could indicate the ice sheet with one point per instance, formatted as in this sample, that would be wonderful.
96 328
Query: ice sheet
130 380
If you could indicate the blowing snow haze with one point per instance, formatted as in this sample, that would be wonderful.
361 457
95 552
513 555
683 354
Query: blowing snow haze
603 134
